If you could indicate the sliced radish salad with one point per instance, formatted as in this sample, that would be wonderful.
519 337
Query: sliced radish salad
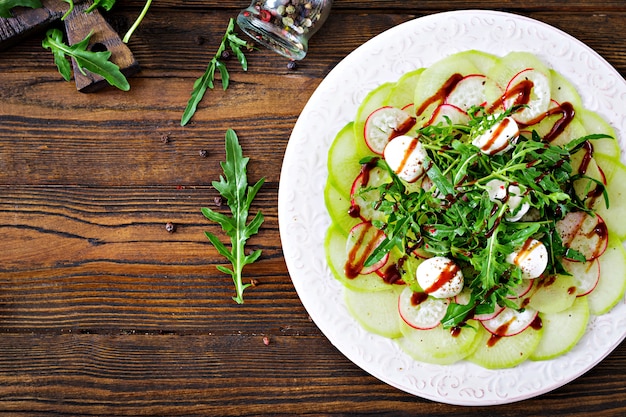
475 210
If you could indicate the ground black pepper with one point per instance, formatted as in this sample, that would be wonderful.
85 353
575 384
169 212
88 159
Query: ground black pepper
170 227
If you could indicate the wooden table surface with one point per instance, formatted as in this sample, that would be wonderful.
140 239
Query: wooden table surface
105 312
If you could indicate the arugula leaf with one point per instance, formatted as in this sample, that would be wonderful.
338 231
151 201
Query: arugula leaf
234 188
56 36
458 218
7 5
96 62
105 4
206 81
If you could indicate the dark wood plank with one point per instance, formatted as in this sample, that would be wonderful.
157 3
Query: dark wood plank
131 374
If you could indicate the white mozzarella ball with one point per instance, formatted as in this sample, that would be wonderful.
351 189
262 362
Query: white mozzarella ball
440 277
497 190
516 207
497 139
532 258
406 156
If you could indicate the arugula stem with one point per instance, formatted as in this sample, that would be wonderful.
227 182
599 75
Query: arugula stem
71 3
137 22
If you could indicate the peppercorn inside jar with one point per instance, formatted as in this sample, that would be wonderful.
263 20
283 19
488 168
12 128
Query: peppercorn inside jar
284 26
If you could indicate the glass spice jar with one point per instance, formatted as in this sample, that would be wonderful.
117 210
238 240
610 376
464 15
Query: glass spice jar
284 26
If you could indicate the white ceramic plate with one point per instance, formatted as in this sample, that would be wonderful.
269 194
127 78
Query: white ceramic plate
303 218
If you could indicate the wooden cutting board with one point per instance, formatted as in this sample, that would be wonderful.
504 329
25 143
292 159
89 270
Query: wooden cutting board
26 22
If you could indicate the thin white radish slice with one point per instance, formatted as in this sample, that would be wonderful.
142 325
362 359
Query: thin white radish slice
489 316
469 92
421 253
409 108
522 289
448 112
584 233
363 239
510 322
384 124
587 189
531 88
420 311
586 275
498 138
360 200
463 298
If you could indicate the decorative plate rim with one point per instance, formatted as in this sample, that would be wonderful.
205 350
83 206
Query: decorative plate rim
303 219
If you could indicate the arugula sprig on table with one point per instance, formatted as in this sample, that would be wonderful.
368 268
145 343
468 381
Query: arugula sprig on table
96 62
235 44
233 186
7 5
459 220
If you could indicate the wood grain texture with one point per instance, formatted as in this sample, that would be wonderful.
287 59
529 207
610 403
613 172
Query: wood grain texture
104 312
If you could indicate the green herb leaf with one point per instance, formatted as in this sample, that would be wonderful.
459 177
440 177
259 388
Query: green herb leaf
458 218
105 4
96 62
55 36
233 186
7 5
206 81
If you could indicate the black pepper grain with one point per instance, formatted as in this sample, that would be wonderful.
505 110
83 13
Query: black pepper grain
169 226
203 153
292 65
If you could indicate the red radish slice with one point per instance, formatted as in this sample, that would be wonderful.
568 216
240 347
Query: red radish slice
585 233
453 113
469 92
384 124
463 298
587 190
531 88
422 253
390 272
409 108
586 274
363 239
489 316
420 311
361 202
510 322
522 289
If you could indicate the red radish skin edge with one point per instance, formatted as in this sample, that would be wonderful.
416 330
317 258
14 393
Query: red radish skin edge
413 325
402 128
507 334
375 267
